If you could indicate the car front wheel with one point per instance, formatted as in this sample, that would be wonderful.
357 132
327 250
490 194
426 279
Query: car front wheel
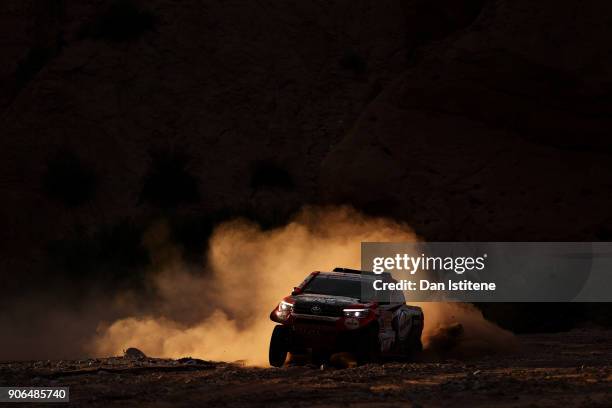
279 346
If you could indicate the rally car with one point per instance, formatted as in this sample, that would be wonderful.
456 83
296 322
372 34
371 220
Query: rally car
337 311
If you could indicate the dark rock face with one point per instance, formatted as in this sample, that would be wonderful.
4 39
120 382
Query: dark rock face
254 94
494 133
498 132
470 120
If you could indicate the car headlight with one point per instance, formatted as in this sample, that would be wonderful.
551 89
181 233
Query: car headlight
358 313
285 306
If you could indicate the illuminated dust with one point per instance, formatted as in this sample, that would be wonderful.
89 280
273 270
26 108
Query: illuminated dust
220 311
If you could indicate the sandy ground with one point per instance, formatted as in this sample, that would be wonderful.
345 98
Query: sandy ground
550 370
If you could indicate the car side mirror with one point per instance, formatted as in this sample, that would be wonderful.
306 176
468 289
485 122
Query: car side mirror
296 291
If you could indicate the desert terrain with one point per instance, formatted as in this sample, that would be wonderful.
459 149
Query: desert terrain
549 370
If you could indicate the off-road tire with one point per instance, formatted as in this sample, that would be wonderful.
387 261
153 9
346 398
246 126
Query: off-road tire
414 345
279 346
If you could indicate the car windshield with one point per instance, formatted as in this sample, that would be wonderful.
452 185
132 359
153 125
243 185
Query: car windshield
353 288
321 285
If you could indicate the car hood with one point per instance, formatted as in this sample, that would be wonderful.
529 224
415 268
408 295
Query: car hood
326 299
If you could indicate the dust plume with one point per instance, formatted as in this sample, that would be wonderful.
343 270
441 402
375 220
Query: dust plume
460 330
221 313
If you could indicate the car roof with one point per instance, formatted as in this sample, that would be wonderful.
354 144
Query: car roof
340 275
353 276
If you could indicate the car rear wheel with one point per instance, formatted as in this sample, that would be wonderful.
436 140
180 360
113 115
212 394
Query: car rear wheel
279 346
416 345
413 344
